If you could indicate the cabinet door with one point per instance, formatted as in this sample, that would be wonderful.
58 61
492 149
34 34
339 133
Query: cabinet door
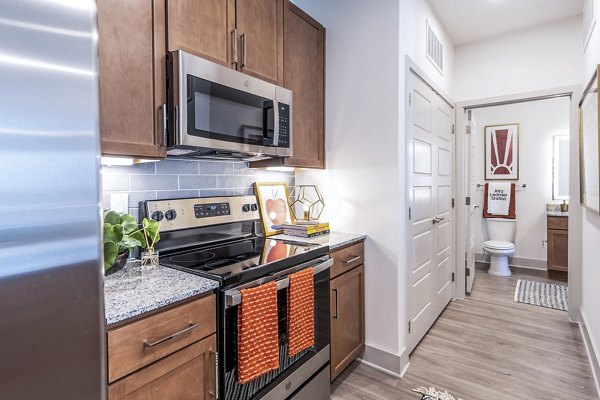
202 27
260 29
131 76
304 75
186 374
347 319
558 250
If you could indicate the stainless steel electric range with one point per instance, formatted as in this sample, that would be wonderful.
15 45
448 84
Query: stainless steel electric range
217 237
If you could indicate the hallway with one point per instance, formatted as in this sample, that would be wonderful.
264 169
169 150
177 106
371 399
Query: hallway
487 347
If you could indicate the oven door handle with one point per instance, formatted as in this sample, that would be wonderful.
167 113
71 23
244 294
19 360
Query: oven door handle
233 297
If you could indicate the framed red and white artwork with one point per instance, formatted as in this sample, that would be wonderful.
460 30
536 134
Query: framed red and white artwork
502 152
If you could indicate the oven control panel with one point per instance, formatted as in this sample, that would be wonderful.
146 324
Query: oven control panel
211 210
175 214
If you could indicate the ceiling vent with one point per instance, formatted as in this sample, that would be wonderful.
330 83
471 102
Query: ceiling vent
435 50
589 21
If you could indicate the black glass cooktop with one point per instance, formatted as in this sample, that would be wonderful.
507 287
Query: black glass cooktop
242 260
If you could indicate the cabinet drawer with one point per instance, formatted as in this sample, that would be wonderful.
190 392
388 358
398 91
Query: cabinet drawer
558 223
136 345
186 374
347 258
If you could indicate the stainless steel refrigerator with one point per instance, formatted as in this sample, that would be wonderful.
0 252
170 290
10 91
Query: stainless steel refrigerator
51 285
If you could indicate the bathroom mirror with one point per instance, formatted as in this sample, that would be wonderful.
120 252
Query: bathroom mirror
560 168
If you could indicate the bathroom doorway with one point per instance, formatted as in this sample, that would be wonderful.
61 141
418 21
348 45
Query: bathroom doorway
544 128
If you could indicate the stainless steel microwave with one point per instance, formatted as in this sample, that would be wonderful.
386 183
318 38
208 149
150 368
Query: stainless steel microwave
217 112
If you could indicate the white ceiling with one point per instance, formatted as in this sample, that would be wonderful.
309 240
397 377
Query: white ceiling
470 20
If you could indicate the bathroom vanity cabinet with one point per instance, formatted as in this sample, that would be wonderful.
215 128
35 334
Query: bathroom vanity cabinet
558 243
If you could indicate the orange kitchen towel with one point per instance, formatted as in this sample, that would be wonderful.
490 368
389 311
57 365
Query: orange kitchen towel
258 341
301 311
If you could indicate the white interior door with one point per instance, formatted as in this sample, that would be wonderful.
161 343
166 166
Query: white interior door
471 187
430 168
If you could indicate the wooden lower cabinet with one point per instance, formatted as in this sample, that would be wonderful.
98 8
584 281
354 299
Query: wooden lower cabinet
347 319
169 355
186 374
558 244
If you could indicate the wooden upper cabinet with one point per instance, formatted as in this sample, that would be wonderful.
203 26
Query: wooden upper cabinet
202 27
304 75
131 49
260 32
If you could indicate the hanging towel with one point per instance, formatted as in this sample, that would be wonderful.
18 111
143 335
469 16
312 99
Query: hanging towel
301 311
499 200
258 341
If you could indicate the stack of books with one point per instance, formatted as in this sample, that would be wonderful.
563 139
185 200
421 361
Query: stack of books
306 231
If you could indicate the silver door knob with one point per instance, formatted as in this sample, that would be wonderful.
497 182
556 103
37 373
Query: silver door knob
437 219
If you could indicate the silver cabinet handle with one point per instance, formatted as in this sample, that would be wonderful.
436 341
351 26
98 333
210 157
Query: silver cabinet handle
191 327
212 391
163 107
234 47
243 37
336 303
350 261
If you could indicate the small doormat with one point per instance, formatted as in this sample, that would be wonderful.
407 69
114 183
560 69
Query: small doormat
432 394
542 294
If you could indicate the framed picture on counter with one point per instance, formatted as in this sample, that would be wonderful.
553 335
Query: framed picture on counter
273 204
589 145
502 152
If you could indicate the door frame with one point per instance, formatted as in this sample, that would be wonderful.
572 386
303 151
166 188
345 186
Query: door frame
413 68
574 92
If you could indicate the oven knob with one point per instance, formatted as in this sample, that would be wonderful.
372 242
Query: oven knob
254 207
246 207
157 216
170 214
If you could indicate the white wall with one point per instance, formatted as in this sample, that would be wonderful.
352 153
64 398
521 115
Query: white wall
363 185
590 220
539 122
542 57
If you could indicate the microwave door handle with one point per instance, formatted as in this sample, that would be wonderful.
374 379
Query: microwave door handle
267 105
276 123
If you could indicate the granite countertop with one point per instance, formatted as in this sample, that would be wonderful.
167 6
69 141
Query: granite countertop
134 291
334 240
557 213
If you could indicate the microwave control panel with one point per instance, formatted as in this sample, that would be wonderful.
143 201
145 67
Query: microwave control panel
284 125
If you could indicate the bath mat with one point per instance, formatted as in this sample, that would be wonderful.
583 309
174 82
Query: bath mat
432 394
542 294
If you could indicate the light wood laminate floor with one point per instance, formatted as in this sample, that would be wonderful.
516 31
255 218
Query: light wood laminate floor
487 347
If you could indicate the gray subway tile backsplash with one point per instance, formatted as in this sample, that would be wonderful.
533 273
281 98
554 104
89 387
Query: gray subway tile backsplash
173 178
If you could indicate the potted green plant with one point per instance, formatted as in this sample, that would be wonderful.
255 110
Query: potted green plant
122 235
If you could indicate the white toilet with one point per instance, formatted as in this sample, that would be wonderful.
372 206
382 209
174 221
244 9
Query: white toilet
500 245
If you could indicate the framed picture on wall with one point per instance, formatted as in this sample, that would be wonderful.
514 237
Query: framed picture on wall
589 150
502 152
273 205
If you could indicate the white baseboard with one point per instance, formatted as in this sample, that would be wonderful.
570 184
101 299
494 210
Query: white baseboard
381 360
591 348
520 262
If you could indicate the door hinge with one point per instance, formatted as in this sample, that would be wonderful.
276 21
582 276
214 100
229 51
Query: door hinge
452 203
467 271
453 277
453 129
468 129
468 201
409 213
408 326
410 99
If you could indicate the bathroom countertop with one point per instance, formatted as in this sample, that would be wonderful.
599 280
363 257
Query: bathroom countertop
557 213
334 240
134 291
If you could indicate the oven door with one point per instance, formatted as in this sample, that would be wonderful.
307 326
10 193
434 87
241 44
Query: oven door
223 109
294 371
